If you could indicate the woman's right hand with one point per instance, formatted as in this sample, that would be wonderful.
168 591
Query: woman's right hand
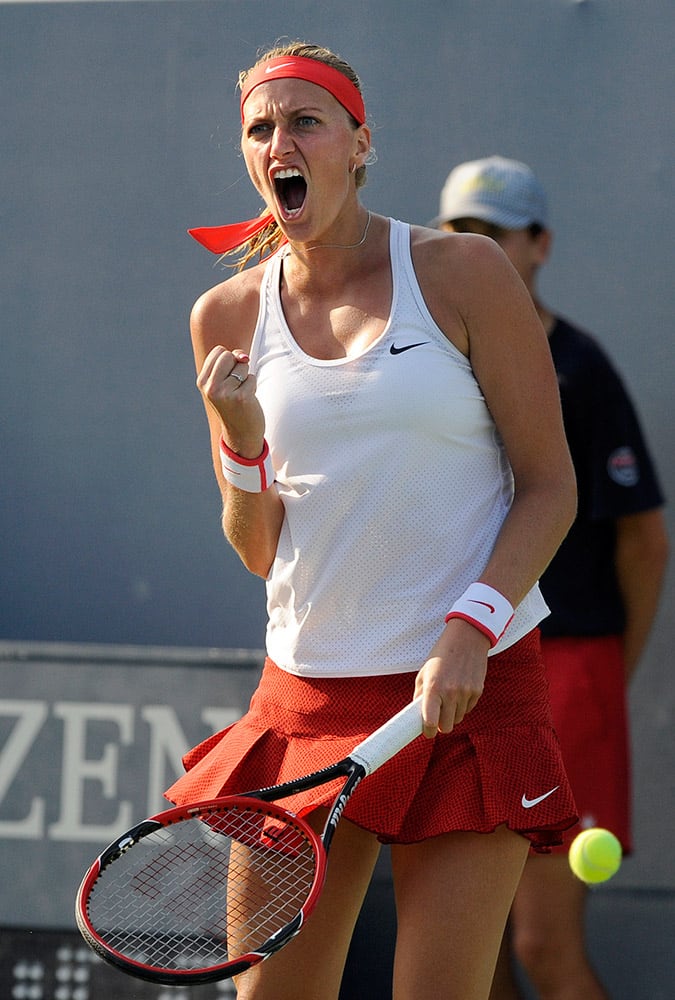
229 389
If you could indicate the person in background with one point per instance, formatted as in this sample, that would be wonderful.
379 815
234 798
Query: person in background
381 472
602 586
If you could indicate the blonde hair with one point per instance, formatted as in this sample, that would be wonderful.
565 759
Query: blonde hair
269 239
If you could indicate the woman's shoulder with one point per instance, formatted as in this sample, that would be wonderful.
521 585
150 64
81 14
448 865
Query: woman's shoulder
469 252
456 272
226 313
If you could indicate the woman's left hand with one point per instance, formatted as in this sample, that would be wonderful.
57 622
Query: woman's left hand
452 678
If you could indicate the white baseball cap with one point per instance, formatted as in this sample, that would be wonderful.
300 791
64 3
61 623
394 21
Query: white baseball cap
503 192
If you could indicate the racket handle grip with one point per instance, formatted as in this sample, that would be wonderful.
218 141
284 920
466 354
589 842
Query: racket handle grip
386 741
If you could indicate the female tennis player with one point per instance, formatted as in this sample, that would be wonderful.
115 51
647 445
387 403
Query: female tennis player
386 434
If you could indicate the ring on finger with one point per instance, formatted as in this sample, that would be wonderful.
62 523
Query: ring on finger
239 378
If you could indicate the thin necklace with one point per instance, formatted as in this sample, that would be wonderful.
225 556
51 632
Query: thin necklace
345 246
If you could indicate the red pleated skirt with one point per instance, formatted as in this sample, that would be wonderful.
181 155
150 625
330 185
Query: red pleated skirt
501 765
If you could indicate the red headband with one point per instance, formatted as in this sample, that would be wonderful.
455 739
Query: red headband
313 71
223 239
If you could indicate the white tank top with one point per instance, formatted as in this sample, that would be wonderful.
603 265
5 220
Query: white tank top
394 483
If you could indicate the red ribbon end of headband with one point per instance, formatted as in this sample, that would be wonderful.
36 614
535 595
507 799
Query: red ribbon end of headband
224 239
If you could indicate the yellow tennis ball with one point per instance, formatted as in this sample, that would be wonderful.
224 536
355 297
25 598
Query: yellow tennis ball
595 855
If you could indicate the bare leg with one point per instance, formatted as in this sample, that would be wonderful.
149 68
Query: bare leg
311 966
453 895
504 985
548 931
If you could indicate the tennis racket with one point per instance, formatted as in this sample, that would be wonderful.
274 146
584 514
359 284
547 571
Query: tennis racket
205 891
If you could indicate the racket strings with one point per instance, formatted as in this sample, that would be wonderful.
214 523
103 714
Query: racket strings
203 891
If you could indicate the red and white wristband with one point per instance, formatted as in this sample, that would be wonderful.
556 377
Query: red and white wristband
253 475
484 608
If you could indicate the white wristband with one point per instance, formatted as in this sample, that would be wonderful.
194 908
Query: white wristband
484 608
253 475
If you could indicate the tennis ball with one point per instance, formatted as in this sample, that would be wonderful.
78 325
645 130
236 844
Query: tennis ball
595 855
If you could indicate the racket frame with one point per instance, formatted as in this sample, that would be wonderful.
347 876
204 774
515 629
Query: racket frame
367 757
265 796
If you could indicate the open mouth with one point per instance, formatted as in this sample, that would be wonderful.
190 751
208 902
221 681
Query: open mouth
291 189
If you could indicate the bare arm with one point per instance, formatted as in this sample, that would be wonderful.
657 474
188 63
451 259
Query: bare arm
221 325
503 337
511 359
641 556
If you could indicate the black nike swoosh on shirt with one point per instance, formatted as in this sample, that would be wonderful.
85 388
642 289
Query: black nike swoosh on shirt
406 347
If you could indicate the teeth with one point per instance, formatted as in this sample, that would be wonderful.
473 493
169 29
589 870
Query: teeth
284 174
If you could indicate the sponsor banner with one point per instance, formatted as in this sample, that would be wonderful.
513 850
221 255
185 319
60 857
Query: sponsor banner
90 736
